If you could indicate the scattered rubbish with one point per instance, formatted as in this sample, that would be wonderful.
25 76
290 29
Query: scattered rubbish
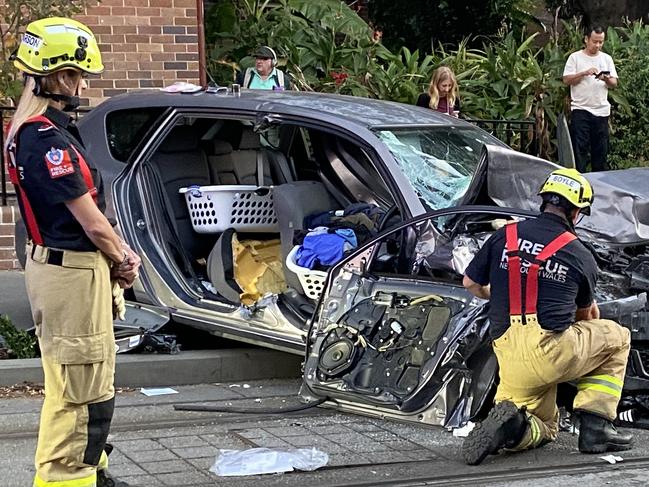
568 422
257 461
464 431
159 343
182 87
612 459
160 391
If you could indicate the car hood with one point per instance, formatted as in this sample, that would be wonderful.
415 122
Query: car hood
620 212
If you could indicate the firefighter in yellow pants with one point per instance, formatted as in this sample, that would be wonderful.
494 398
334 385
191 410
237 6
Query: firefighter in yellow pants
76 264
540 280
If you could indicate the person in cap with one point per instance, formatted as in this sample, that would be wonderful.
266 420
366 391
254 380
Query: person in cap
265 75
546 329
77 266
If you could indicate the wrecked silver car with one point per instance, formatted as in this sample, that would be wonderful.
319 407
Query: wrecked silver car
396 335
218 194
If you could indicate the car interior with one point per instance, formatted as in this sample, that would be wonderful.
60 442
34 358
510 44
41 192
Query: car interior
288 173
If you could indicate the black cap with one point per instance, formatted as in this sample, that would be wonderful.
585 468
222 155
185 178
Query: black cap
264 52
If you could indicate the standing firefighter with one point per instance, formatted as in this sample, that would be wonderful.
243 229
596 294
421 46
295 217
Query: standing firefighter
545 324
76 263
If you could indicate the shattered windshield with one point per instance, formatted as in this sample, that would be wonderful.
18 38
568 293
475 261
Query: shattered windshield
439 161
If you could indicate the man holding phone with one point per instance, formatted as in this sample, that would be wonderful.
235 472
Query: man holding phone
590 73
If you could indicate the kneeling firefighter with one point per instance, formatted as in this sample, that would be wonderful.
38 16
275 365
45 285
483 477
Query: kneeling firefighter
540 280
76 265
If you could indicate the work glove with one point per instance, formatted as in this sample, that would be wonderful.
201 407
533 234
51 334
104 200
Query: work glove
119 304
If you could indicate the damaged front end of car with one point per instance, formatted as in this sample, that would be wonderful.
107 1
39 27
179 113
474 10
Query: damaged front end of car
397 336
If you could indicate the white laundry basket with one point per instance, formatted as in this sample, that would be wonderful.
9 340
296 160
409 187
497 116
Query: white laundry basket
312 281
214 209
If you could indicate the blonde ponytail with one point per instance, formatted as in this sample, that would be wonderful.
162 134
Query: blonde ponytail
29 106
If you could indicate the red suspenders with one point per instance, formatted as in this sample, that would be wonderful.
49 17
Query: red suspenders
30 218
532 281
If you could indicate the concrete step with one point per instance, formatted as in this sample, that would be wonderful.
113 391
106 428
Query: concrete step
185 368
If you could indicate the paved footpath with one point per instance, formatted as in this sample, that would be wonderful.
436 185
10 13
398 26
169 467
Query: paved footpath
157 446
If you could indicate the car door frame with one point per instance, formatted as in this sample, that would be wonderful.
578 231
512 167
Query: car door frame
358 262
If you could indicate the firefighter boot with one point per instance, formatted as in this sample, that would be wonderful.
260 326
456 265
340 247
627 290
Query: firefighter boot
504 427
105 480
599 435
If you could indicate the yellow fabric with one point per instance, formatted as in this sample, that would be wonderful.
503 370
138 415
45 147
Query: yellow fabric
72 310
103 461
51 44
89 481
533 361
258 268
600 388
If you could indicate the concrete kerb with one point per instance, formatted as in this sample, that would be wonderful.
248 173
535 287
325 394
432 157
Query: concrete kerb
185 368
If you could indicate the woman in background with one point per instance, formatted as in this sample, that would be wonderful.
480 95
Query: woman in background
442 93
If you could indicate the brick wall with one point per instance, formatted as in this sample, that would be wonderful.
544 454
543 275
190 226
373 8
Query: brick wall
144 44
7 254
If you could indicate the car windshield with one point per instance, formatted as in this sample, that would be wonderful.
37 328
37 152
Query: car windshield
438 161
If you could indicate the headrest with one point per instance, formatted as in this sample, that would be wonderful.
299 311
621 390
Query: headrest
221 147
181 139
249 139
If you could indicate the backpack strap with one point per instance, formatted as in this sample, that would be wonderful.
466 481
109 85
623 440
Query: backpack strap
247 78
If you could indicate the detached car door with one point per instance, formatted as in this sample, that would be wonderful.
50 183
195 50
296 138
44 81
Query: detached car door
396 334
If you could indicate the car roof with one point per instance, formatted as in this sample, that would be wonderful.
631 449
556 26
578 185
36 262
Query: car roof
365 112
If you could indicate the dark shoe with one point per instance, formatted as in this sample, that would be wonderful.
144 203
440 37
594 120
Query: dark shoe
105 480
598 435
504 427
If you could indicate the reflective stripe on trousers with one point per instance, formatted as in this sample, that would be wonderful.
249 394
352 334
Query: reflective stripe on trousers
533 361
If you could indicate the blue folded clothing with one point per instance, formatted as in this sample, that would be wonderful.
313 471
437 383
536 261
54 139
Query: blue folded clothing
325 247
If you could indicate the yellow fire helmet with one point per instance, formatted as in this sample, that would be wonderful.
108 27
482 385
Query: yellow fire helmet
56 43
570 184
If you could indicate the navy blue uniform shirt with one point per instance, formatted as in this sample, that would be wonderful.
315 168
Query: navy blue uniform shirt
48 168
567 280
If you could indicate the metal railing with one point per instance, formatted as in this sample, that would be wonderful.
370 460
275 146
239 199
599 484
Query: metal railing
6 189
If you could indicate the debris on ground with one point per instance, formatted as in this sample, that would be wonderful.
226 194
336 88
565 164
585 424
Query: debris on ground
612 459
159 391
256 461
26 389
30 389
464 431
159 343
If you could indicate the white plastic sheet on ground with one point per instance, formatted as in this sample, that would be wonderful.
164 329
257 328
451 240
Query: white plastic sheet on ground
257 461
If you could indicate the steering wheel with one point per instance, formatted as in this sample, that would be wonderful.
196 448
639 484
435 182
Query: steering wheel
390 212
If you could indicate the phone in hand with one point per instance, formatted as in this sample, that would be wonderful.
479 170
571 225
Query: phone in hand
602 73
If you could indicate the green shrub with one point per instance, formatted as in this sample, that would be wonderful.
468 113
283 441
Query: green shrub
325 46
19 342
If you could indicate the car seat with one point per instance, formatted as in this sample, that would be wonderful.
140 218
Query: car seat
180 162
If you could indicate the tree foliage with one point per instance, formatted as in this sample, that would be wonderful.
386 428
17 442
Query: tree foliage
423 24
326 47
